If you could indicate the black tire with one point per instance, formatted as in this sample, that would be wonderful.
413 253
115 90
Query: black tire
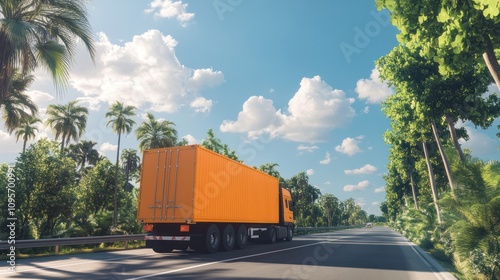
272 236
228 238
289 235
241 237
163 249
212 239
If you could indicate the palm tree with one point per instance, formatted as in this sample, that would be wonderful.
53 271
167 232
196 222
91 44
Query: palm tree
270 168
67 121
121 122
84 153
27 130
34 32
153 134
130 163
15 104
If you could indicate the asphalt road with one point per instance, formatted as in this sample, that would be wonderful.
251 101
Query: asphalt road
367 253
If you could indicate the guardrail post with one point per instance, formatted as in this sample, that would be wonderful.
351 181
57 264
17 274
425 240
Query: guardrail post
126 244
57 249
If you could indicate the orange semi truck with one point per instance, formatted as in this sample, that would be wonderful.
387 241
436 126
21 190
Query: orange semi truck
192 197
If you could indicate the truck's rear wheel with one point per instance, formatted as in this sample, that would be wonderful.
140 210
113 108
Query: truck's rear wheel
272 236
241 237
228 237
289 235
212 239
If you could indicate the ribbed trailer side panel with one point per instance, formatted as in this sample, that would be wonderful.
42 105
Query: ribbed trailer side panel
228 191
192 184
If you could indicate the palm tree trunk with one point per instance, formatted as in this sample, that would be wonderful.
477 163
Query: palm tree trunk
24 145
62 143
453 134
491 60
414 191
115 205
433 183
443 156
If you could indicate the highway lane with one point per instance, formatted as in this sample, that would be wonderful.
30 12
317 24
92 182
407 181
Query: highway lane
367 253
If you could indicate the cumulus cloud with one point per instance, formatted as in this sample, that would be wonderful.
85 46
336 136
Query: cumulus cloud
145 72
190 139
201 105
367 169
376 203
310 172
379 190
170 9
315 109
327 159
107 147
349 146
363 185
373 90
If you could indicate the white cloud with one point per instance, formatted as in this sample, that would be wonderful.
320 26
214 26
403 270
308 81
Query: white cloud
366 110
191 140
170 9
315 109
376 203
8 143
373 90
89 102
107 147
144 72
201 105
327 159
307 148
258 114
349 146
480 144
310 172
359 187
367 169
39 97
360 202
379 190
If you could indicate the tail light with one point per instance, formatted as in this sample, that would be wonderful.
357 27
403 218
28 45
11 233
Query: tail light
148 227
184 228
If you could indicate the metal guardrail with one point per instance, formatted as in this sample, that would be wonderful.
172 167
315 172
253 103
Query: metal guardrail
57 242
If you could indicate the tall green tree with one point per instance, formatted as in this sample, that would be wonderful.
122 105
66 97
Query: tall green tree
27 130
15 104
153 133
84 153
457 34
45 190
121 121
329 204
67 121
130 164
270 168
39 32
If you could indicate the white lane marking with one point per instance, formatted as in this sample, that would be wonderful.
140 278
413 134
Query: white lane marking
223 261
71 264
429 265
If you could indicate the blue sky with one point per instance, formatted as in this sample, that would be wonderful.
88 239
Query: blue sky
289 82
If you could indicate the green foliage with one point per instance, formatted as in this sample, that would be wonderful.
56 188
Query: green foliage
154 134
213 143
46 189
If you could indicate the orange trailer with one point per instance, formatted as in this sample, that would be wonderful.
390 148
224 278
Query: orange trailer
193 197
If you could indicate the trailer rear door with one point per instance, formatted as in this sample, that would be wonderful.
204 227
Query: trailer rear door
167 185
